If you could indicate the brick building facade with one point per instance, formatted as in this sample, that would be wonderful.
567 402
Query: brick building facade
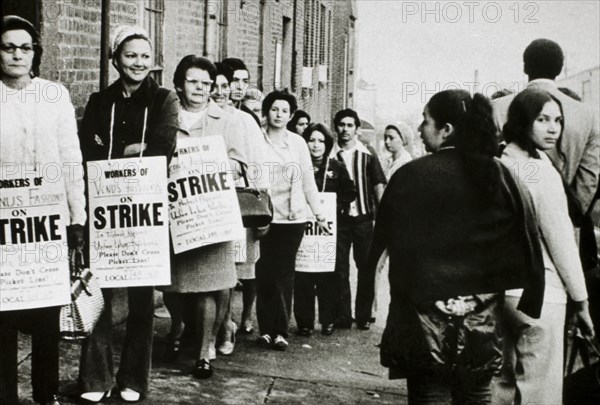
304 45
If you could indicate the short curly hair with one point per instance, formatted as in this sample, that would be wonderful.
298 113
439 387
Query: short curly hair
279 95
543 59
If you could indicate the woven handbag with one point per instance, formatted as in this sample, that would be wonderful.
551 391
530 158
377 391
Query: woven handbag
78 319
255 204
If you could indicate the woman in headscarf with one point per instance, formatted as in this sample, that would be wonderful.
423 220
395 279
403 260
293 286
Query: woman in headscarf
134 116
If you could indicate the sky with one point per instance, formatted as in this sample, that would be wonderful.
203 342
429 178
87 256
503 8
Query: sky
412 49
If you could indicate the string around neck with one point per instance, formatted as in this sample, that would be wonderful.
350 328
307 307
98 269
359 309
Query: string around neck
112 124
325 174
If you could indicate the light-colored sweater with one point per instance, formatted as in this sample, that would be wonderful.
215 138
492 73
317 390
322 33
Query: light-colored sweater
293 187
38 127
559 249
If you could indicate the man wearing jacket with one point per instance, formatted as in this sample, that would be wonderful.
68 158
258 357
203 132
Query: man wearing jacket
577 155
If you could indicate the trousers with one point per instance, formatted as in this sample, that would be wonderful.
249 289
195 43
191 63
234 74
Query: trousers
96 369
275 277
43 325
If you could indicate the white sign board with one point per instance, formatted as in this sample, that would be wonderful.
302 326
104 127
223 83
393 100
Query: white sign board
203 204
129 234
34 263
317 250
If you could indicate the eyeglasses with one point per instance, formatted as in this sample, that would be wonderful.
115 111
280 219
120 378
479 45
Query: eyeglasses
195 83
12 48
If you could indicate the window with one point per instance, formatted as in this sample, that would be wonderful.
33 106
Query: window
154 11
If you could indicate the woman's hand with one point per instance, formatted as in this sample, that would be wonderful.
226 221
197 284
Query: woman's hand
583 318
460 306
322 224
134 149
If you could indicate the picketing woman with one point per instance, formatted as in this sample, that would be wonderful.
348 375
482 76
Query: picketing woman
38 131
331 176
202 278
459 231
134 116
293 192
533 368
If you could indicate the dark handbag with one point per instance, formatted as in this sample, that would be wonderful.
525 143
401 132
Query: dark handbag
582 387
255 204
78 319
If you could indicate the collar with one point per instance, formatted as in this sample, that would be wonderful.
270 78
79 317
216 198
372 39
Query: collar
514 152
286 139
143 95
359 146
544 84
213 110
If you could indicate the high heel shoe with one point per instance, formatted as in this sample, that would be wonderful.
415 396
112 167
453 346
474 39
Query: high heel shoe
52 401
130 395
172 349
226 348
202 369
95 397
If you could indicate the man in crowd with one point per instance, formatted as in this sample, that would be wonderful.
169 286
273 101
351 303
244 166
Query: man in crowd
356 226
239 85
577 157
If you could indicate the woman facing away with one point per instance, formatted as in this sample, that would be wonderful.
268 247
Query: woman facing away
36 131
459 232
293 192
534 347
331 176
113 127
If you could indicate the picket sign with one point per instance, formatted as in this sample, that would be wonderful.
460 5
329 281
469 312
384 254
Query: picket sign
317 251
34 262
203 204
129 234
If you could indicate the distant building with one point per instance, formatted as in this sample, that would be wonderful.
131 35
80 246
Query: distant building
304 45
586 84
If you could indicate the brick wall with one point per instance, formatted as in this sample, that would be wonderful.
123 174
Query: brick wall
71 38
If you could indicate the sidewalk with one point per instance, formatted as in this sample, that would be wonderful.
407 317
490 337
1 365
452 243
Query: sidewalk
339 369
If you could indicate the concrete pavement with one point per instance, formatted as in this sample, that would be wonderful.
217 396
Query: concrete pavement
339 369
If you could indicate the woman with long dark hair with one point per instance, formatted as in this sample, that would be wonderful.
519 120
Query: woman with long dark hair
331 176
458 232
534 347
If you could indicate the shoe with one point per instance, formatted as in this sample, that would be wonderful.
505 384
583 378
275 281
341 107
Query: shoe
95 397
212 352
327 330
172 349
129 395
303 332
247 329
226 348
53 401
264 340
363 325
372 319
203 369
280 343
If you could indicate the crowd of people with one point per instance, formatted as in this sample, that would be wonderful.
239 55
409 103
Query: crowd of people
481 253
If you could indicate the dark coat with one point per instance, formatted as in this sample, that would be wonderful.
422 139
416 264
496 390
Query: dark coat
338 182
445 240
161 128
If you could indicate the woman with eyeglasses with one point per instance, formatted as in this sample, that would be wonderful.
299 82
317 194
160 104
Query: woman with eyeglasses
202 279
36 130
134 116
